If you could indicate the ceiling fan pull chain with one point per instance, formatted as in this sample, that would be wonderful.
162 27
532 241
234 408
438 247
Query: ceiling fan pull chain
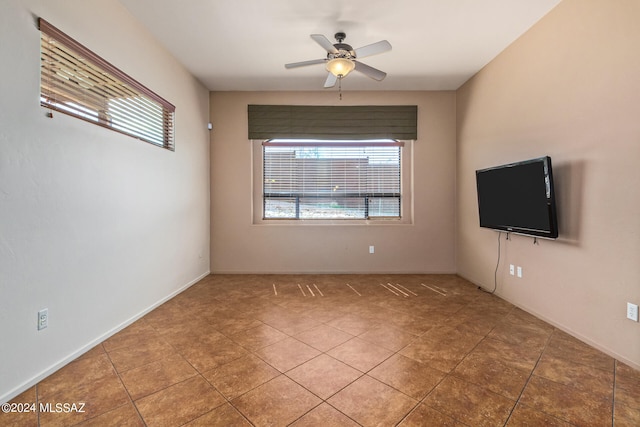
340 87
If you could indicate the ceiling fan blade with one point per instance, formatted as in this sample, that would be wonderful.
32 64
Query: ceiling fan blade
373 49
374 73
324 42
305 63
331 80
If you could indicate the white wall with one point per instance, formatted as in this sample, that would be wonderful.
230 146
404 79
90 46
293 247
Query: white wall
95 226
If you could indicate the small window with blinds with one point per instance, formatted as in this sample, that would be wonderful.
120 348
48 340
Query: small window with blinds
332 179
76 81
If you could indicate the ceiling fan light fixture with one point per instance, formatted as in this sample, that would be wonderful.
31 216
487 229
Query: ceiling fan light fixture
340 67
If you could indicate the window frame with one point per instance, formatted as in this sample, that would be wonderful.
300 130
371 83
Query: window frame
142 112
406 191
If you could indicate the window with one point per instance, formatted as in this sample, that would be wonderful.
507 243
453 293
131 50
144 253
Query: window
305 179
76 81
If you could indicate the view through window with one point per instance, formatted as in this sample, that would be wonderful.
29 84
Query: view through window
305 179
76 81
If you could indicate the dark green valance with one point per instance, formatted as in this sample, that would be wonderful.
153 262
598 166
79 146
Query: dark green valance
333 122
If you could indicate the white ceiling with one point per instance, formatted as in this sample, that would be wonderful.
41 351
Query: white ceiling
244 44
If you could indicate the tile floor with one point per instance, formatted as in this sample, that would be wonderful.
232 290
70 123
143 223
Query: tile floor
338 350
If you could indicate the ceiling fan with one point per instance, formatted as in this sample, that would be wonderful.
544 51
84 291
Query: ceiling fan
342 58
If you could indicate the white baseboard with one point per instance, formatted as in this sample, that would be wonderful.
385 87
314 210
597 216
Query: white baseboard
320 272
71 357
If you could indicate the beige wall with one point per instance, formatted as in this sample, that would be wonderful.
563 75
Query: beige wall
239 244
568 88
96 226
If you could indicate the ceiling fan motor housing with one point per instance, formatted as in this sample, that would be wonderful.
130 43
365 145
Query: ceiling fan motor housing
344 50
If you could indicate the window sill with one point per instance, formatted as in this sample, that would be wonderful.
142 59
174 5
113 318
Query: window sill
334 222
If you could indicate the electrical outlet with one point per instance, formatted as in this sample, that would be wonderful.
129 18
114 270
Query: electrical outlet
43 318
632 312
519 272
512 269
372 249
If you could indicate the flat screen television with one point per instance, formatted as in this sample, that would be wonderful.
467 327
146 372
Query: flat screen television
518 198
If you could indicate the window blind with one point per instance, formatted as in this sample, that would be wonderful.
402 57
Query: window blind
333 122
340 180
76 81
